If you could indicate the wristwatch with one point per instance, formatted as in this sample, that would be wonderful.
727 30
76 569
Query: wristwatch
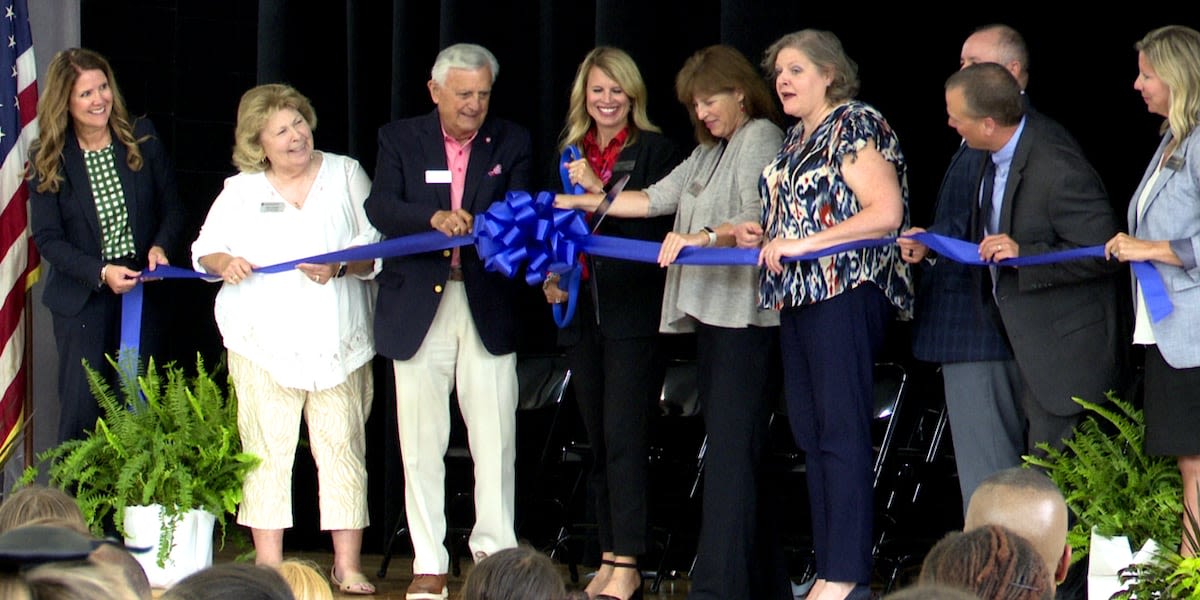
341 272
712 236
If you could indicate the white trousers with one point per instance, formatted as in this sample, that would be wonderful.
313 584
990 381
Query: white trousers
453 356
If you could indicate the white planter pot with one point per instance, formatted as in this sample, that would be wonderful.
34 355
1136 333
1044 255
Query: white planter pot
191 548
1107 557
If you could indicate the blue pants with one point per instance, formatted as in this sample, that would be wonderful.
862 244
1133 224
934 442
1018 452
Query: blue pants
829 351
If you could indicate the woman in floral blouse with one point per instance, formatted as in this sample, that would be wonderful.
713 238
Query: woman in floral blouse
839 177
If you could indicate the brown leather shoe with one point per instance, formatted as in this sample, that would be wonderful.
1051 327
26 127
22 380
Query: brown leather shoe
428 587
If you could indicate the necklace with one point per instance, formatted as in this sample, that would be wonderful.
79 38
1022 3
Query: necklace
294 190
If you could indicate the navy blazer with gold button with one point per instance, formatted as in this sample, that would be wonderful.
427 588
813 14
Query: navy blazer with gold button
402 202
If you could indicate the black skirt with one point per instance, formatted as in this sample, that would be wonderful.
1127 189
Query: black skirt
1172 407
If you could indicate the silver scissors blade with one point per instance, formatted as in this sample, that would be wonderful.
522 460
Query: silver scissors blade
605 204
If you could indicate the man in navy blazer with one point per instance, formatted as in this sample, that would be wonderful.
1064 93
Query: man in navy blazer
953 325
446 322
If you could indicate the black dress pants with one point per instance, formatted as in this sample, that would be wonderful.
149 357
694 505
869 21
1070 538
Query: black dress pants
739 554
617 382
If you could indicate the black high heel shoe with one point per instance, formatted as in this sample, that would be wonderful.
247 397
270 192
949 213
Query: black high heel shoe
637 594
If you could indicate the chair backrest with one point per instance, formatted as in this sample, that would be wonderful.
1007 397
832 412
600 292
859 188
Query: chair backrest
680 393
891 379
542 380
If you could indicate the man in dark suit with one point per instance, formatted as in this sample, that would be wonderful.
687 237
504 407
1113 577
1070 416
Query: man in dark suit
1038 194
952 326
447 323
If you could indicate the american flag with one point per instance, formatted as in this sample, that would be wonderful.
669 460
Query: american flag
18 258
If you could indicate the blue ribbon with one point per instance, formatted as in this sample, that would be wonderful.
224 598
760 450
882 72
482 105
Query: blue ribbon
1158 303
568 281
569 154
527 232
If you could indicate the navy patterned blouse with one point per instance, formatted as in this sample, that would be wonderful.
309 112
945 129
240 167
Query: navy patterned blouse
803 192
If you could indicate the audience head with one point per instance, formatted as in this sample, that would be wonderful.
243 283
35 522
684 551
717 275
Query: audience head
77 581
821 55
931 591
721 72
129 568
984 105
992 562
1028 503
305 580
998 44
255 109
33 502
604 71
49 560
1169 76
520 573
461 87
231 580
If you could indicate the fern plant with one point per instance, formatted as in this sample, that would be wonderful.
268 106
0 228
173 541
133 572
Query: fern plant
1109 481
169 439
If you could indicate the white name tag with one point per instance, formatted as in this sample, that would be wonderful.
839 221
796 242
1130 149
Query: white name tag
270 207
436 176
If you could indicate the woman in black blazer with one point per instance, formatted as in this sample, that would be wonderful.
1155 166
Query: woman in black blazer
103 207
613 348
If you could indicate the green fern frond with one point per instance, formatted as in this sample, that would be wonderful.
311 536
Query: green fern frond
170 439
1110 483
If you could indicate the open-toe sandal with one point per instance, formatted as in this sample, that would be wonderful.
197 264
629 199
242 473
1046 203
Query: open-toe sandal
355 583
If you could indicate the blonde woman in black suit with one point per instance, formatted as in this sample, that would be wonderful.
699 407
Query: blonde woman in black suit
613 346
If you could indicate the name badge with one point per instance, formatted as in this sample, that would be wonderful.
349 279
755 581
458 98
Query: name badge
1174 163
437 176
270 207
624 165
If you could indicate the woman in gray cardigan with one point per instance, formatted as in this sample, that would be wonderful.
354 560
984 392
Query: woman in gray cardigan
713 189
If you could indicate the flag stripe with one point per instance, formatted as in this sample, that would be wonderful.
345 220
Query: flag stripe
18 129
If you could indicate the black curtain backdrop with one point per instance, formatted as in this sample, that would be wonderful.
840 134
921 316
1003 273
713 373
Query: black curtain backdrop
185 63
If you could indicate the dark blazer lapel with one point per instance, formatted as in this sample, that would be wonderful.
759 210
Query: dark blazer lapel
433 149
1015 170
975 226
481 163
76 173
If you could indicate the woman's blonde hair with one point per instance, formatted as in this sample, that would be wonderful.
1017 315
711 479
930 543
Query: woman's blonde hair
305 579
255 108
1174 53
54 116
618 66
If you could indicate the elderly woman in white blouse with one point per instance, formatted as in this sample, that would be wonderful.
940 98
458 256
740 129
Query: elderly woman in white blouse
298 341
